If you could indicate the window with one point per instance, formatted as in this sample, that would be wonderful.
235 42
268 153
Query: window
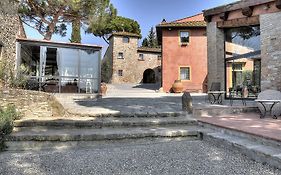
184 37
126 39
185 73
120 55
141 57
159 57
120 73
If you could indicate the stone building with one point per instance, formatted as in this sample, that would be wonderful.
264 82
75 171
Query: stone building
9 29
125 62
184 53
244 45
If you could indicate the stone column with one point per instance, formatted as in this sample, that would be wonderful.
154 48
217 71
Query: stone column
216 62
270 25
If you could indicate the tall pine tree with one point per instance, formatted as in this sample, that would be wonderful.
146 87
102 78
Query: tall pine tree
151 39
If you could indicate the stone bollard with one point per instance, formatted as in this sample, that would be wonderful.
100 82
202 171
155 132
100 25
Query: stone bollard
187 102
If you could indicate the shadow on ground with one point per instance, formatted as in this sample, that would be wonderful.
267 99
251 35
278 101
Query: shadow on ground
155 86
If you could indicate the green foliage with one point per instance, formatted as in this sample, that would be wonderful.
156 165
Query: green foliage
50 17
105 26
106 72
8 77
247 77
3 73
46 16
20 80
144 42
150 40
7 117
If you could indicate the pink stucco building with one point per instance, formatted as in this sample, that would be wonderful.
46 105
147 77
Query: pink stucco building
184 53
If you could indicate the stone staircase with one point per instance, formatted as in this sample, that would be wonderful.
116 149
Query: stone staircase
32 134
66 133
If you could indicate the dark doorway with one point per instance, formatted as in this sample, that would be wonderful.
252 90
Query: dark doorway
149 76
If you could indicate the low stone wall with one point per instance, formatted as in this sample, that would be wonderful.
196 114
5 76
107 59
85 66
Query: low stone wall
31 103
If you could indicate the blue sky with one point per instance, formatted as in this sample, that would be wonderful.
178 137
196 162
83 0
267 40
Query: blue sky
147 12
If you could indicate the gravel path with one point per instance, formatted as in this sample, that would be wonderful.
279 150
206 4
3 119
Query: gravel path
137 157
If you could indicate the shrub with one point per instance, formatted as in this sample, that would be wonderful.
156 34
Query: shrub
7 117
21 79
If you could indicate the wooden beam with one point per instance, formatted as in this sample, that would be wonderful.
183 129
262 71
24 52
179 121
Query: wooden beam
249 21
278 4
247 11
235 6
208 18
224 16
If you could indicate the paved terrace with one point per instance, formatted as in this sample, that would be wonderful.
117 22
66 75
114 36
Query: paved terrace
130 100
143 100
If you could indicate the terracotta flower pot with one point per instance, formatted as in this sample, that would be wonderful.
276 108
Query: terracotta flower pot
177 86
103 88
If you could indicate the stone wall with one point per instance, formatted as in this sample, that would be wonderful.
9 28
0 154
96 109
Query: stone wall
271 51
31 103
9 25
216 62
132 67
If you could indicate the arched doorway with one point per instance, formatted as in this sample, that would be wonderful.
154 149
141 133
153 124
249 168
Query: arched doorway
149 76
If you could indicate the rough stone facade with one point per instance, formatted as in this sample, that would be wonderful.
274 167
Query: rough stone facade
9 27
131 66
216 67
271 51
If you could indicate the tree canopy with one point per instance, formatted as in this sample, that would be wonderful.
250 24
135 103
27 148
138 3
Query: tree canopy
104 25
150 40
52 16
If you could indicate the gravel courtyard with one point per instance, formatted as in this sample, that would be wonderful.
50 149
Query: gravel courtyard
135 157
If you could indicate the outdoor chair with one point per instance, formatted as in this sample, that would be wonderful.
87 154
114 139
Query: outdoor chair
269 101
215 93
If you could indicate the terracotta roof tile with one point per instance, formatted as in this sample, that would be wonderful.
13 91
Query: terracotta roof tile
184 24
148 49
125 34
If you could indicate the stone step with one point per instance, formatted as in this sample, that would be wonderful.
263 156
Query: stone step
104 122
252 137
254 150
40 138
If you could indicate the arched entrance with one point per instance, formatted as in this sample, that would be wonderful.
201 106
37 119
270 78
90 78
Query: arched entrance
149 76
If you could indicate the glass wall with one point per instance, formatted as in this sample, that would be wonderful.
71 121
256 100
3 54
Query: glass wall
64 70
243 61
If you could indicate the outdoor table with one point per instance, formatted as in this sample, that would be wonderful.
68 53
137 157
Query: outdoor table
271 103
217 96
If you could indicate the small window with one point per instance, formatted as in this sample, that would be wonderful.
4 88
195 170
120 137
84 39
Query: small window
120 55
184 37
141 57
126 39
120 73
185 73
159 57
